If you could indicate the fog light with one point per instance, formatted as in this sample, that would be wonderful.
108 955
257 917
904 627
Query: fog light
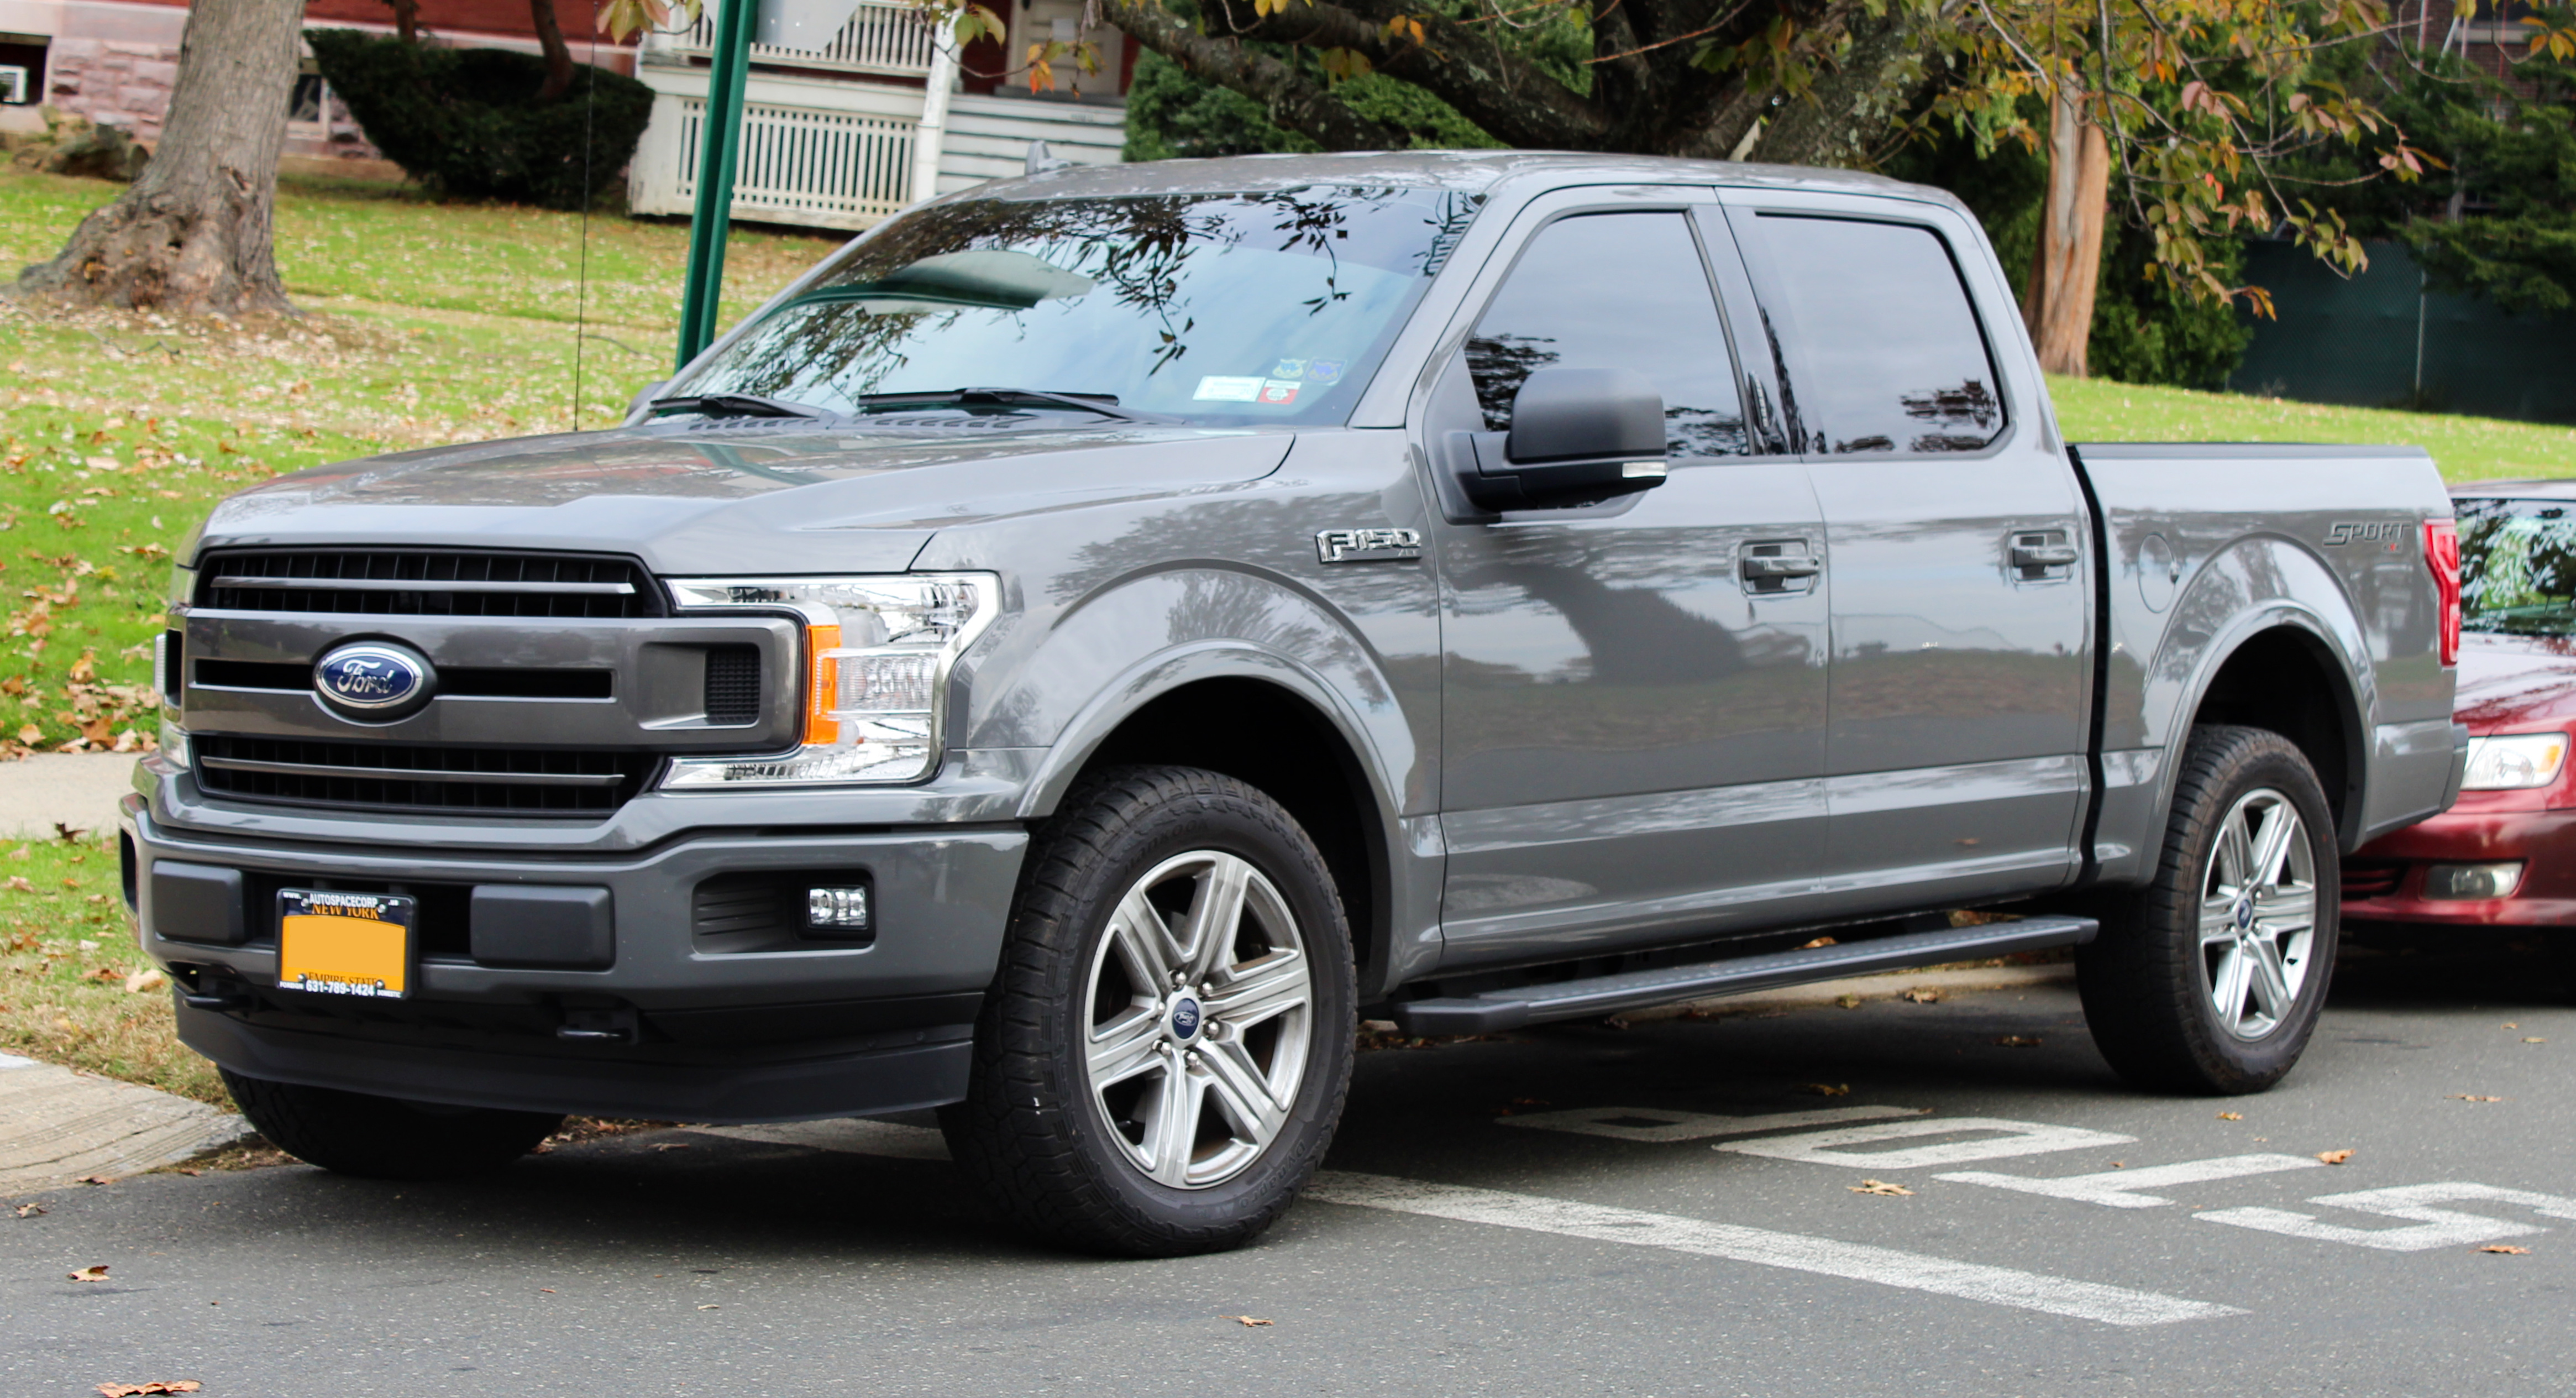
2456 882
837 909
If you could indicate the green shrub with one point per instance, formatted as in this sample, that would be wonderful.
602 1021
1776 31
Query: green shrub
466 122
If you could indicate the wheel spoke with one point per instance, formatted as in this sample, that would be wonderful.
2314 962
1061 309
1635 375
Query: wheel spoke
2271 980
2291 908
1144 944
1214 916
2235 853
1171 1134
1124 1047
2227 986
1261 989
2272 846
1242 1090
2217 921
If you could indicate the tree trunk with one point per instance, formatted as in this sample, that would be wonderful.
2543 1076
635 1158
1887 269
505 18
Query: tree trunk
406 19
2058 304
195 233
550 37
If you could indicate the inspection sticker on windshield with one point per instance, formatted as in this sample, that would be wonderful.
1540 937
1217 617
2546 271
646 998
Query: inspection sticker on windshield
1279 391
1230 390
344 943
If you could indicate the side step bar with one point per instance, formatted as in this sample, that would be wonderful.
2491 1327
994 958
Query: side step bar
1496 1010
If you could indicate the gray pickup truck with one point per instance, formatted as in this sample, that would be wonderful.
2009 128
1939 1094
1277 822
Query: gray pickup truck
1071 655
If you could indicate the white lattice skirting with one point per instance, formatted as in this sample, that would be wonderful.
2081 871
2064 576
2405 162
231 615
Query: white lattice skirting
803 166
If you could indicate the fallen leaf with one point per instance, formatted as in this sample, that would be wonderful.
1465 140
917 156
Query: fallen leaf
2231 1116
69 834
30 1210
1246 1321
1924 996
1819 942
1879 1187
2334 1157
671 1145
2018 1041
2119 1164
141 1390
546 1290
2473 1097
96 1273
1826 1089
142 981
710 1308
2529 1040
2509 1024
17 883
2506 1248
1848 1001
106 974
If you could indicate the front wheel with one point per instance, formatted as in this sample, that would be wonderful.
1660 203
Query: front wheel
2211 978
1163 1056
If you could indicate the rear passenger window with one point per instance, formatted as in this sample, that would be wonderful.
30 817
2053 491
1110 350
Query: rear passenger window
1891 355
1614 291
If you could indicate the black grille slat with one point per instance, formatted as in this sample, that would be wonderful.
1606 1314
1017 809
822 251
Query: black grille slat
733 684
411 777
427 582
2372 878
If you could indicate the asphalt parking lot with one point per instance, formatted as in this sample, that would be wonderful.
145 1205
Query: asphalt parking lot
1673 1208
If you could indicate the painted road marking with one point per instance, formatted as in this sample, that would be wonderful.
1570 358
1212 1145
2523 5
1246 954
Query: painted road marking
2017 1138
2435 1228
1658 1125
2000 1286
2124 1189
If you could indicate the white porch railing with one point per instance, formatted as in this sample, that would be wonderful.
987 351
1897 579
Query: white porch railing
885 36
835 169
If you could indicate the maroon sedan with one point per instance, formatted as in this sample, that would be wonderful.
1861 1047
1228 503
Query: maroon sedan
2505 856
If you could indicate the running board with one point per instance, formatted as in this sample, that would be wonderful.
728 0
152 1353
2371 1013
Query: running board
1634 990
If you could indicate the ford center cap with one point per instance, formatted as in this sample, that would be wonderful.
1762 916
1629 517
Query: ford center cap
374 680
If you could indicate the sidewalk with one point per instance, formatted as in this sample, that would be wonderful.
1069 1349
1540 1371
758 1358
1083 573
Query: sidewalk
58 1127
75 789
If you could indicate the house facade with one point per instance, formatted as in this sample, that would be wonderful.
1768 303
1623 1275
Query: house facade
833 137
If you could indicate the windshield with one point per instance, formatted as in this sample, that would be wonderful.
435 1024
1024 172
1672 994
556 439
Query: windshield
1220 309
2518 566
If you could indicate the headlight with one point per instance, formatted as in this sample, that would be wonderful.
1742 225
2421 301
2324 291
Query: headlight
2516 762
877 652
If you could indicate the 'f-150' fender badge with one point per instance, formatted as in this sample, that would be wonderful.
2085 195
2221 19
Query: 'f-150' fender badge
1368 545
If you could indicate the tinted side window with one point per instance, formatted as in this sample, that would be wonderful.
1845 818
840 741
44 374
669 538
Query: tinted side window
1892 355
1614 291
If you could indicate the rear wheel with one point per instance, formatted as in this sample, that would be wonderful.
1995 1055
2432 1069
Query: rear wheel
386 1138
1163 1057
2212 977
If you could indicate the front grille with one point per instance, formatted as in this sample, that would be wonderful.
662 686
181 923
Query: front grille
427 582
733 684
2371 878
409 777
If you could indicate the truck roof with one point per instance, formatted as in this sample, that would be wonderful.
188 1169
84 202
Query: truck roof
1468 171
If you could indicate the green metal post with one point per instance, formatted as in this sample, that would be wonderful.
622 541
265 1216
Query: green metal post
720 135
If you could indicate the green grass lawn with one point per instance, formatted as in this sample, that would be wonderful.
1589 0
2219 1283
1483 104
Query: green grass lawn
2466 448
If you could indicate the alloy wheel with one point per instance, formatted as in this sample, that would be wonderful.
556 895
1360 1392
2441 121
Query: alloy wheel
2258 914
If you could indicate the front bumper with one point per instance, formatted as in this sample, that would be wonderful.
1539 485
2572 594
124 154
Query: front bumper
2384 880
670 1020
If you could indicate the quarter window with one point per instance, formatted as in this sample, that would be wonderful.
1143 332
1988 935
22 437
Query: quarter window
1891 354
1614 291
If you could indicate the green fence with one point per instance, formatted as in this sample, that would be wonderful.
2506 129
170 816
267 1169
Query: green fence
2381 340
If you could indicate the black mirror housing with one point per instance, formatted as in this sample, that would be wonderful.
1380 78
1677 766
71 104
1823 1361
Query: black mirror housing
1577 434
644 398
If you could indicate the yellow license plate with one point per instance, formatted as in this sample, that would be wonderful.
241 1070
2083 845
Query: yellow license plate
345 943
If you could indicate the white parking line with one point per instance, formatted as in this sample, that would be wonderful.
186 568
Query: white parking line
2000 1286
2434 1228
2122 1189
2014 1138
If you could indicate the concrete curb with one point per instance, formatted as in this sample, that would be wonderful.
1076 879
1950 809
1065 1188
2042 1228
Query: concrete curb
58 1127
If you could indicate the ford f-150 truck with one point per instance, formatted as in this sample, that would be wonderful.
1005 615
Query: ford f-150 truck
1070 655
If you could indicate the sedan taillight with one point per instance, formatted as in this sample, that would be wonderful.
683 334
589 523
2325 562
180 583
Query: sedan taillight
2442 555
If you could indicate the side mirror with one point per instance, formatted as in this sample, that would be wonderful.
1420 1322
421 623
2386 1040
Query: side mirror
644 397
1577 434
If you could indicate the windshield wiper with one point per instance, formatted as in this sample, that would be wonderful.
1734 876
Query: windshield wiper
736 405
1105 404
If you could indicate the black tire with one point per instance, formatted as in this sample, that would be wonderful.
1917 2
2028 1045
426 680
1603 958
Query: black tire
386 1138
2152 991
1072 1164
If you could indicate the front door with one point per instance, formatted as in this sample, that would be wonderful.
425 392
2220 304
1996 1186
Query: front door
1957 537
1634 692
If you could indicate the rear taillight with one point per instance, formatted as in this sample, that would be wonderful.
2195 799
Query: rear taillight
2442 555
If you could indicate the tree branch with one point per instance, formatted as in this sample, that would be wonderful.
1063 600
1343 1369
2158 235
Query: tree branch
1293 99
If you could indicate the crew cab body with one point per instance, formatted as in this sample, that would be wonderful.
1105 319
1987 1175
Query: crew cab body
1869 642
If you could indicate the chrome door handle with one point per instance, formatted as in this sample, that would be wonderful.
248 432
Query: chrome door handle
2044 555
1760 567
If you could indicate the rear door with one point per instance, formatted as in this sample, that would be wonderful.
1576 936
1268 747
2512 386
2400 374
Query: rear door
1633 692
1957 538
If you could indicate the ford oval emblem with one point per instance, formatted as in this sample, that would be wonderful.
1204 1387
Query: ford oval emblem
373 679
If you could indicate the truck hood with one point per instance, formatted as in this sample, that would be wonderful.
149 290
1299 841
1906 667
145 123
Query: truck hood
734 496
